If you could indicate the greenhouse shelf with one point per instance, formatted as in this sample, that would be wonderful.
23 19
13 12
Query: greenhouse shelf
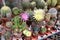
45 36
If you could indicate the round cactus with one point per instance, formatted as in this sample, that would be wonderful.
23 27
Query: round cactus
39 14
26 5
40 3
5 10
15 10
33 4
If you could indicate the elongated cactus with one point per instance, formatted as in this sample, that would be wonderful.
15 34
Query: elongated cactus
5 10
17 24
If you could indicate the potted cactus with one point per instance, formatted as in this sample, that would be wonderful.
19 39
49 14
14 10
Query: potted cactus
7 35
51 3
26 5
15 11
9 24
5 10
40 3
37 18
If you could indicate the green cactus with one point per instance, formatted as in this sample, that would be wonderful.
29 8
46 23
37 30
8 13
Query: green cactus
5 10
33 4
40 3
22 26
17 24
26 5
43 30
7 35
15 10
52 2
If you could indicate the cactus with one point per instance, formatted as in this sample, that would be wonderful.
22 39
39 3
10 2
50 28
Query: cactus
52 2
33 4
9 24
17 24
27 33
40 3
5 10
15 10
43 30
39 14
22 26
7 35
26 5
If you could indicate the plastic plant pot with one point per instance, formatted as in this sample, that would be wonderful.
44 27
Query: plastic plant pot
34 37
48 32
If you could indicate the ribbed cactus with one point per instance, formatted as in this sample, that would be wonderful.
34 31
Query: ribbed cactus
5 10
52 2
33 4
40 3
18 24
15 11
25 5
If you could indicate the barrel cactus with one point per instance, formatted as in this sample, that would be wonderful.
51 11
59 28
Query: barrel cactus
52 2
40 3
33 4
25 5
15 10
5 10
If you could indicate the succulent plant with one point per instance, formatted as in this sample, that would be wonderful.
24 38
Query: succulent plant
18 24
22 26
40 3
52 2
15 10
48 16
5 10
39 14
25 5
43 30
33 4
9 24
7 35
27 33
58 1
